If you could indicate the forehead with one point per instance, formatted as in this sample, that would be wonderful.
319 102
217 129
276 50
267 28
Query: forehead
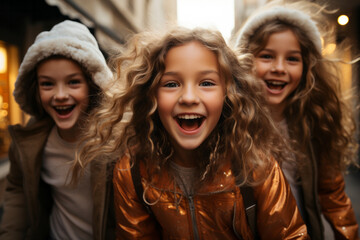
59 59
194 52
62 65
283 40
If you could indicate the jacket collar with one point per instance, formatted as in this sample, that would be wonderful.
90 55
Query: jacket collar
30 141
223 181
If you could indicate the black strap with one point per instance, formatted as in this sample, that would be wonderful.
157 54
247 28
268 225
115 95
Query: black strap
135 174
247 193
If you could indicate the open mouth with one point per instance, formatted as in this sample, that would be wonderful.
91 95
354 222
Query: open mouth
190 122
275 85
64 110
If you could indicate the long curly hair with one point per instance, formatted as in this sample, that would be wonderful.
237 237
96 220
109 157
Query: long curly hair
316 111
127 122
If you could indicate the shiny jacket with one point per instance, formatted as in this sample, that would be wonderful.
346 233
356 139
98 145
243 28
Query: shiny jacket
325 193
27 199
216 211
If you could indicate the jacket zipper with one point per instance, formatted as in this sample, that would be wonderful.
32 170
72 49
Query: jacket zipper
193 218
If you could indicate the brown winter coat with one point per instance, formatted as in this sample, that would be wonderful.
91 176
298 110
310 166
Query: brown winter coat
27 200
325 193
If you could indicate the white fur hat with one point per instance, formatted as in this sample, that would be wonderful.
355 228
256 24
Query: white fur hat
284 12
69 39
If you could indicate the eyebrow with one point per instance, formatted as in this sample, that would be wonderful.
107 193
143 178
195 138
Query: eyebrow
291 51
201 73
68 76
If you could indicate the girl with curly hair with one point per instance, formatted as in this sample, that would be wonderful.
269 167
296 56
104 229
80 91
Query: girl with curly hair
190 119
303 94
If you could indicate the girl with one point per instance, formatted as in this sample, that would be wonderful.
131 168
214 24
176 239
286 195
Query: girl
304 99
59 83
195 134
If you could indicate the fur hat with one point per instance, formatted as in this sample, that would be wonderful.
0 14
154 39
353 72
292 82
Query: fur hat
290 13
69 39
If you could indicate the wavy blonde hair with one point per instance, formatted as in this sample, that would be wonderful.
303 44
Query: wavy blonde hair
128 121
316 111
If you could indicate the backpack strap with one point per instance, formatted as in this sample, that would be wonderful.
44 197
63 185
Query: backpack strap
247 193
135 175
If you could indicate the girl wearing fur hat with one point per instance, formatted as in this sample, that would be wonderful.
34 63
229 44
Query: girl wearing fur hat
303 95
60 81
196 135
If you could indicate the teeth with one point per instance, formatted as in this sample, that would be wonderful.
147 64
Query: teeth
277 83
189 116
62 107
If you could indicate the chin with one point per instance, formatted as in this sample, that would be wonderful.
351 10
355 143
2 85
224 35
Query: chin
190 147
65 127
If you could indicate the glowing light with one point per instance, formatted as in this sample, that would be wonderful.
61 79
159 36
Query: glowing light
3 60
213 14
3 113
343 20
329 49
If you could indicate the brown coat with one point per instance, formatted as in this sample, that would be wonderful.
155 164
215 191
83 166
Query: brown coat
27 199
216 211
325 193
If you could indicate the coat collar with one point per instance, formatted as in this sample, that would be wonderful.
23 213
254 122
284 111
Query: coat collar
29 142
223 181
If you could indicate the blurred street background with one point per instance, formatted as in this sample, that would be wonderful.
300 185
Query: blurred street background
113 21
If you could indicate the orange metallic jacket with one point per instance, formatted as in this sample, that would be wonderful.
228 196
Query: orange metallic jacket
216 211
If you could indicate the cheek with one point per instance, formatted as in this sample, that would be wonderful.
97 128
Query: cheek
217 110
85 103
215 104
164 105
297 75
44 97
260 69
83 96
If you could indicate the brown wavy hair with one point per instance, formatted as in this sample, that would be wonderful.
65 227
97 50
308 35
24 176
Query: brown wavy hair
317 112
127 120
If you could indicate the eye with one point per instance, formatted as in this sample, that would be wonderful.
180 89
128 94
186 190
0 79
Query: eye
265 56
207 83
74 82
294 59
171 84
45 84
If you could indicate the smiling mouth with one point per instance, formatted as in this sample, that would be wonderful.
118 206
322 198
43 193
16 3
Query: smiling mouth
275 85
64 110
190 122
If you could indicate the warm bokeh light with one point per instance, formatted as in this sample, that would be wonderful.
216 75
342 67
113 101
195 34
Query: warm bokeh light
343 20
329 49
215 14
3 60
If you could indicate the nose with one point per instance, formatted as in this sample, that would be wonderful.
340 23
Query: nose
189 95
61 93
278 66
